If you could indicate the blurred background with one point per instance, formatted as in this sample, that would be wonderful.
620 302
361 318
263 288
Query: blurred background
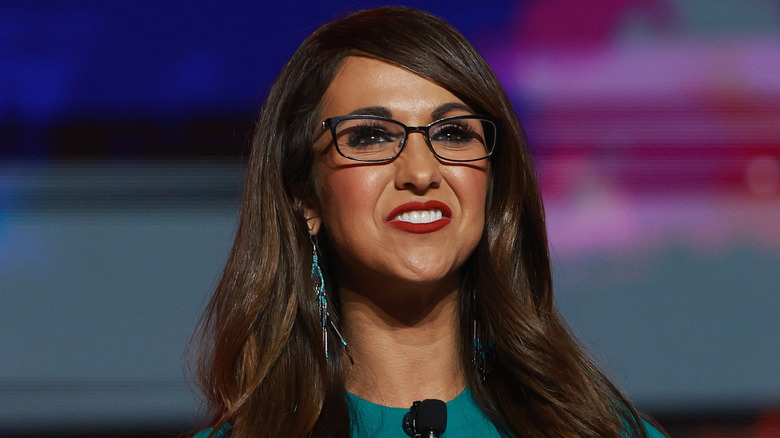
124 128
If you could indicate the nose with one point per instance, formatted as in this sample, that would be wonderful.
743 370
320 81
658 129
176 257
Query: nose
417 169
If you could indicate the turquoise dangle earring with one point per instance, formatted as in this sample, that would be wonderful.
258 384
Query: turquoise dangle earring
318 280
479 358
319 289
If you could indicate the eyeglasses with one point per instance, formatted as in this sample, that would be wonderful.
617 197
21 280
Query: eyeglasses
377 139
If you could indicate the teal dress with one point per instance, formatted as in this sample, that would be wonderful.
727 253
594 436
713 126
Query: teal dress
464 420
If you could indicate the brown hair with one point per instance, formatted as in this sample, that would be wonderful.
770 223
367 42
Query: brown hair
261 364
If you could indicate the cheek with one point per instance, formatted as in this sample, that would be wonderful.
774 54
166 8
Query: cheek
349 195
475 204
470 185
478 207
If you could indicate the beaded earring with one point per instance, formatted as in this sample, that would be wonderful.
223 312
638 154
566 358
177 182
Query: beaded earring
318 280
480 350
319 289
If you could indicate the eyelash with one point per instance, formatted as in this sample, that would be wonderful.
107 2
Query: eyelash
466 131
359 133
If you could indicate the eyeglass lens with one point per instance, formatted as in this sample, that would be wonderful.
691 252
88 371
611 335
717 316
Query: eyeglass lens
461 139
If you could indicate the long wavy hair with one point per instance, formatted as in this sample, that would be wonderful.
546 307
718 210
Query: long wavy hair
261 364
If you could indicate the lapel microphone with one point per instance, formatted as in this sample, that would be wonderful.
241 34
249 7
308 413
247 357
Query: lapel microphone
426 419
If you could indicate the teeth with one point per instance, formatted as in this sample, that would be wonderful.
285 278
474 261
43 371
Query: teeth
420 217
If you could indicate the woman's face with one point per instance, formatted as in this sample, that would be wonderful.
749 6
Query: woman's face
367 208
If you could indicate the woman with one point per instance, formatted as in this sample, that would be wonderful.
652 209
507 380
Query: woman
391 248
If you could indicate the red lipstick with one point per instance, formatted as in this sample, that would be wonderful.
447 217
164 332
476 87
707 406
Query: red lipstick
429 227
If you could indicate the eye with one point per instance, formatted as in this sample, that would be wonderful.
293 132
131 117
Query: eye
362 134
454 132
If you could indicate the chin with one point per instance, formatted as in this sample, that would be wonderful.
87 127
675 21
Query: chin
431 278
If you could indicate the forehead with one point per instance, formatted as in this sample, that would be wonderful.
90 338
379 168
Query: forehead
363 82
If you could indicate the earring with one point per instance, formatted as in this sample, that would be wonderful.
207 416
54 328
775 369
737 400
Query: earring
479 358
318 280
319 289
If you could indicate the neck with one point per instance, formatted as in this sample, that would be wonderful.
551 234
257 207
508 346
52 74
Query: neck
404 349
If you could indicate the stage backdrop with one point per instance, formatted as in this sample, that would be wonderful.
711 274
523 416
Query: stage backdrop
655 125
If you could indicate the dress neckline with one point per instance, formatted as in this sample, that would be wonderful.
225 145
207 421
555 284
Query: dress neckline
459 400
464 418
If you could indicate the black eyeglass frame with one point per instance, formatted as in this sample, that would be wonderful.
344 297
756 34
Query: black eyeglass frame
332 122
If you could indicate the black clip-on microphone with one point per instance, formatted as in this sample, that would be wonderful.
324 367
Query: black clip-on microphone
426 419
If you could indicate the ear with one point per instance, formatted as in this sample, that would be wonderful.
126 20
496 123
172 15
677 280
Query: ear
313 219
305 205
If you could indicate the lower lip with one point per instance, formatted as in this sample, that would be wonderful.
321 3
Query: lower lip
421 228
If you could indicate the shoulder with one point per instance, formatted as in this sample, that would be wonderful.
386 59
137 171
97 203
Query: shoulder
223 432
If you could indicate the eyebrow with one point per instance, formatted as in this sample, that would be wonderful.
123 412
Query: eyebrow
442 111
436 114
372 111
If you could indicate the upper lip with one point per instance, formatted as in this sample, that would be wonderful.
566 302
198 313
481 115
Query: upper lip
419 205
